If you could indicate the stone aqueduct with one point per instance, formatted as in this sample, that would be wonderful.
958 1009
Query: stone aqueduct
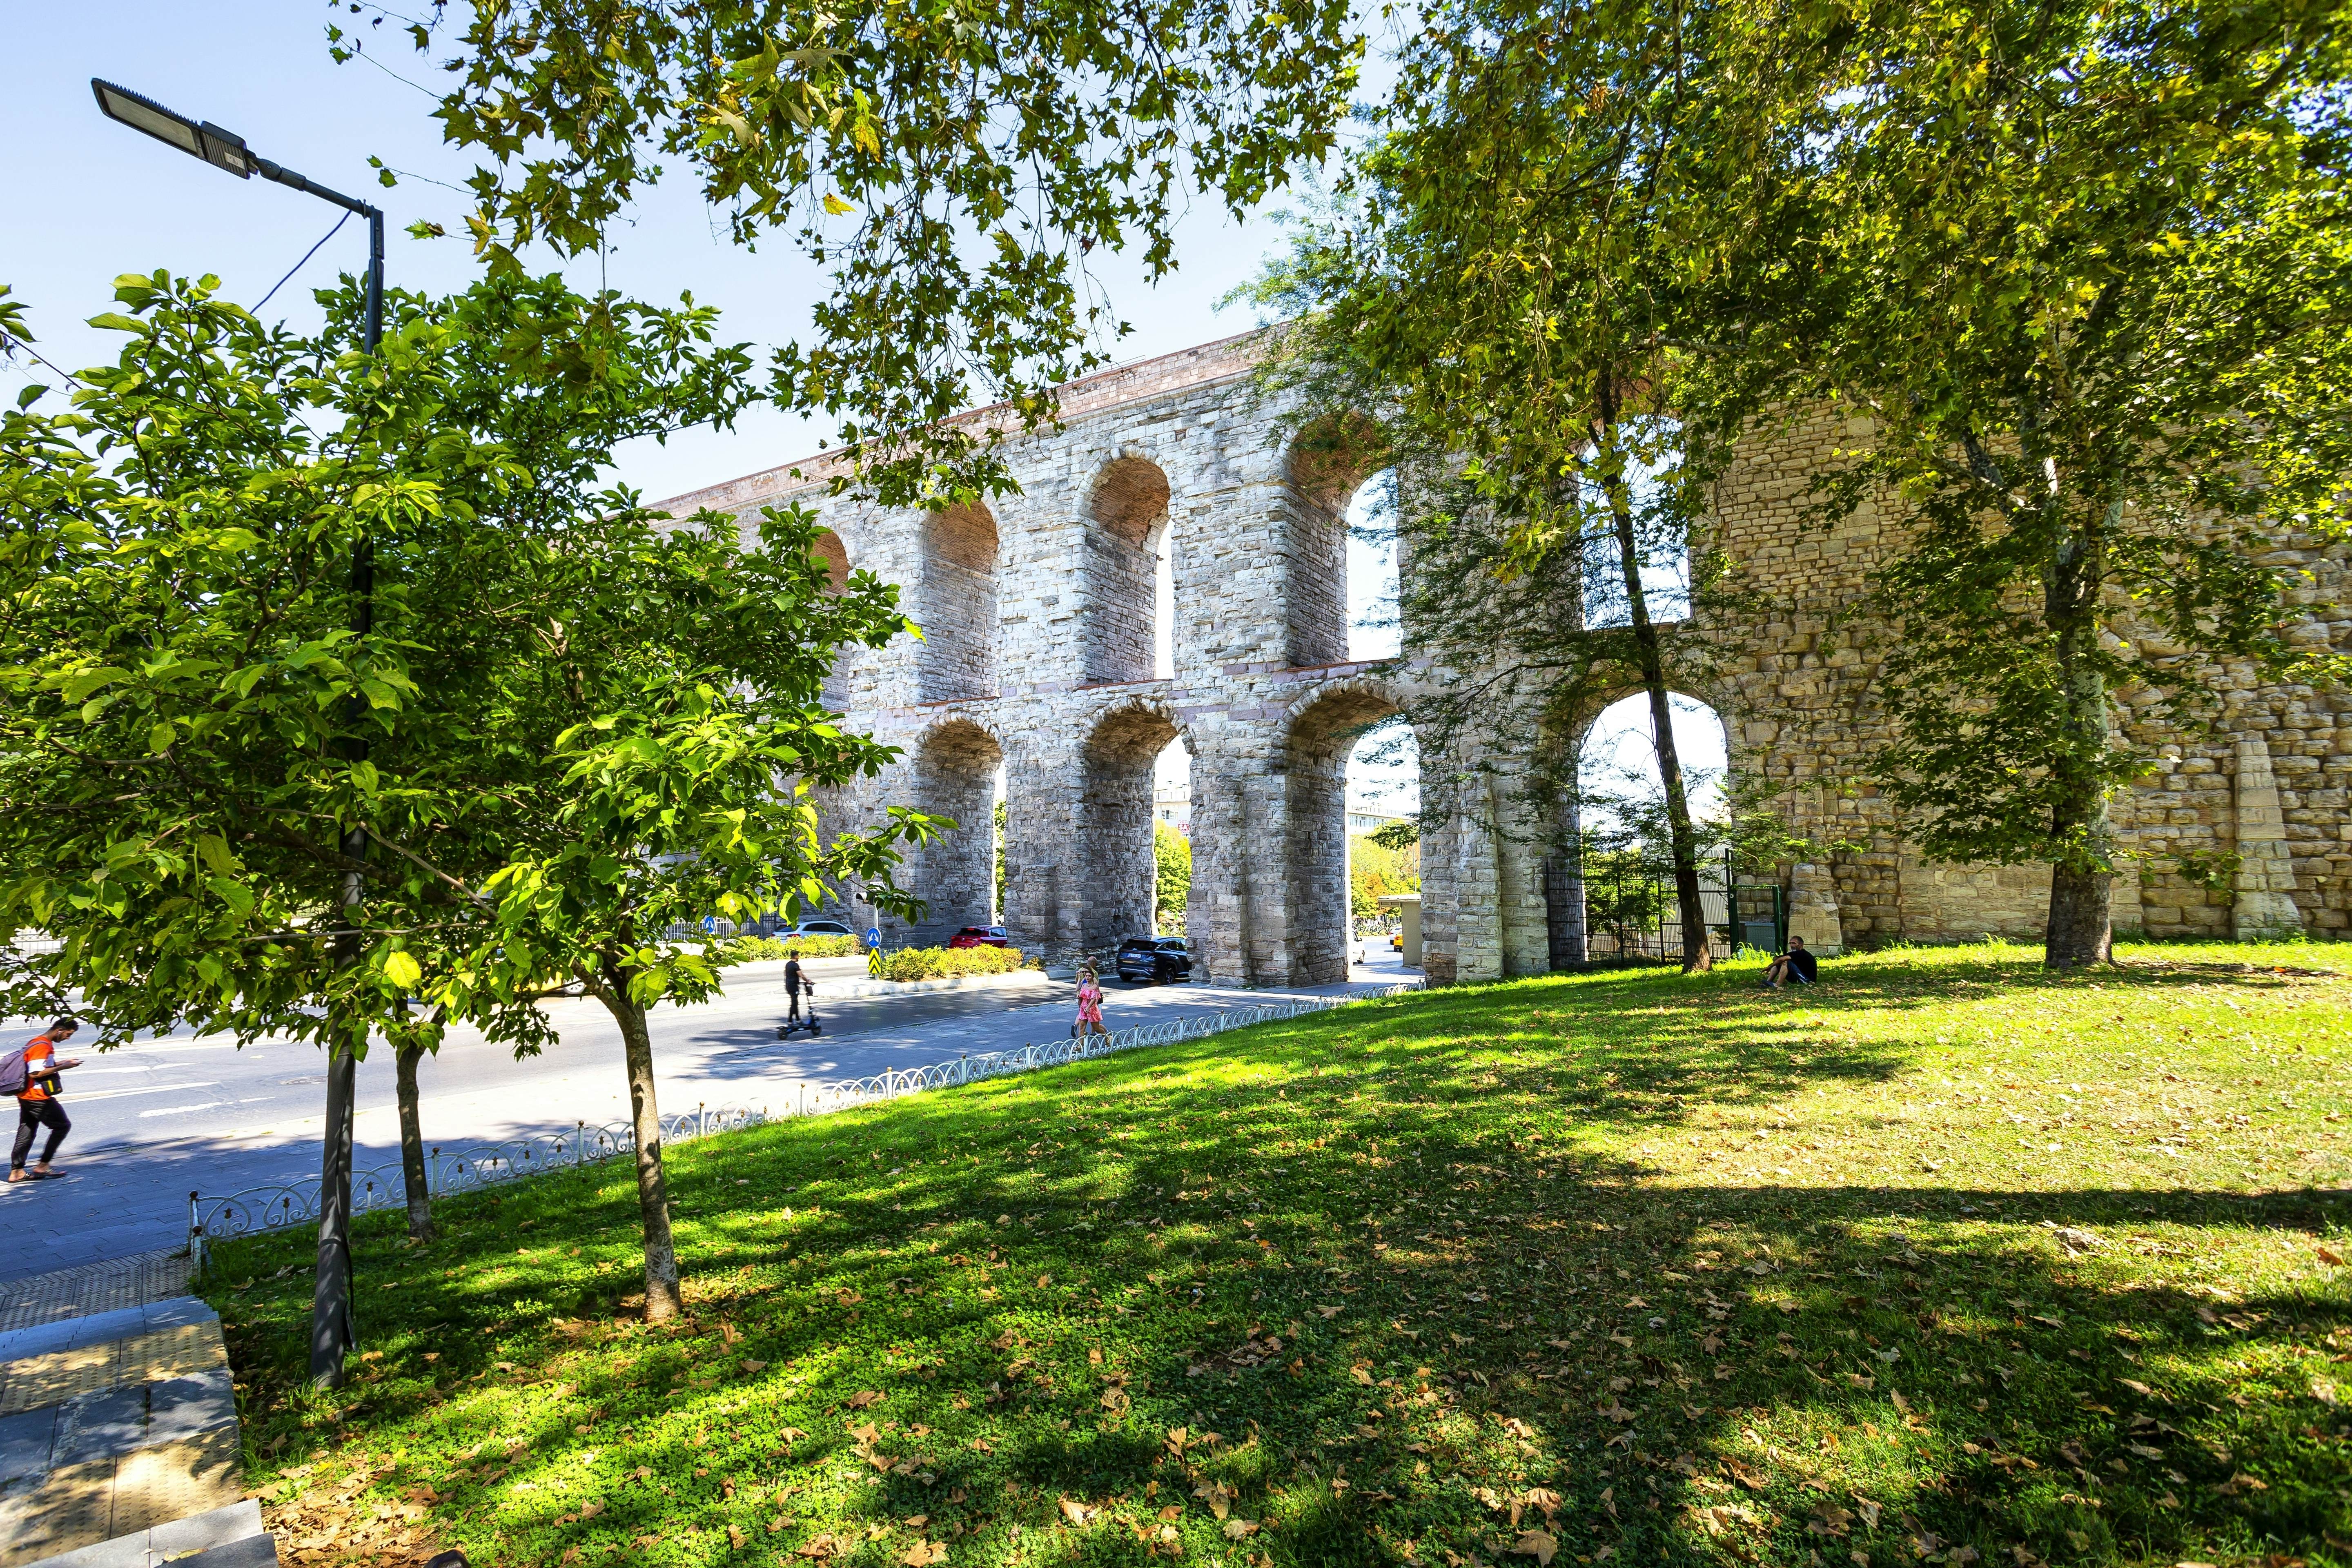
1038 654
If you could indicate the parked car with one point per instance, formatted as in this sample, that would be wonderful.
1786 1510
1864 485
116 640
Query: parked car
820 928
980 936
1160 958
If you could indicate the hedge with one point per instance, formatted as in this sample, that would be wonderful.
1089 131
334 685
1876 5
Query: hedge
749 948
934 962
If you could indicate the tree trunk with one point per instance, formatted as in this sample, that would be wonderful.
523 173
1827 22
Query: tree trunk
662 1300
2078 933
412 1147
332 1330
1683 842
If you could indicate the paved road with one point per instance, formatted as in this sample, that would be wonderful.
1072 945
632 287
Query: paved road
162 1117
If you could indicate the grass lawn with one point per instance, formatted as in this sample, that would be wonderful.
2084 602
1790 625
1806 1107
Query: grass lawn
1947 1262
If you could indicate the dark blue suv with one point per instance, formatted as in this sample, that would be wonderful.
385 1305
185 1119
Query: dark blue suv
1154 958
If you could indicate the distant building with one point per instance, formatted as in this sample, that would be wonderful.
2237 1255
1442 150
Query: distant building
1173 803
1360 823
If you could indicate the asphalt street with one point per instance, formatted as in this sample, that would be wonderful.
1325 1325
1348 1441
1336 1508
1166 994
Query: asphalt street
161 1118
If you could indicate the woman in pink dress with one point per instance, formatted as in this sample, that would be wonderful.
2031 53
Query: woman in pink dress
1090 1002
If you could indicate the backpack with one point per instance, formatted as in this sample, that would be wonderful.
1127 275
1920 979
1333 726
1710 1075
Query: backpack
12 1072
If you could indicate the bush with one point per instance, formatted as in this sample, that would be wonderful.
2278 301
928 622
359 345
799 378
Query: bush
934 962
752 949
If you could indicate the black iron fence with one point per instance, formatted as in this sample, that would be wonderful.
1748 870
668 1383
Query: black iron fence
1636 917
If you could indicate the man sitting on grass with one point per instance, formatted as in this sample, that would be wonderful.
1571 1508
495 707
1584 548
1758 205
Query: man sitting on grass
1795 967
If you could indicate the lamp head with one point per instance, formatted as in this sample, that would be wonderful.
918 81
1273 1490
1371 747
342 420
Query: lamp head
222 149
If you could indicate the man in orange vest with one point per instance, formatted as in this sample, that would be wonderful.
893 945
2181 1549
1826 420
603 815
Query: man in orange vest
36 1102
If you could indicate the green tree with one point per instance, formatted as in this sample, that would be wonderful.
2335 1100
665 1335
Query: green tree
2083 267
1376 870
661 764
1504 272
997 817
1172 854
1399 836
557 380
951 168
181 688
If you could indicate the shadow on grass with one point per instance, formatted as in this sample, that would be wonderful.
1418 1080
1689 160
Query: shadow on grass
1369 1283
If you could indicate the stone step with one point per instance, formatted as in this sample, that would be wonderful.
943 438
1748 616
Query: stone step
118 1428
230 1537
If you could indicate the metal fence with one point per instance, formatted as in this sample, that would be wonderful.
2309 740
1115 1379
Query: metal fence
278 1204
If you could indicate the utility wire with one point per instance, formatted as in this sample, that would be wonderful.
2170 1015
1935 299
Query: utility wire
306 256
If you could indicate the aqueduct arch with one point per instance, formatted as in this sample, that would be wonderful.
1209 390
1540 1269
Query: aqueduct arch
1038 649
1321 729
1125 522
957 604
955 776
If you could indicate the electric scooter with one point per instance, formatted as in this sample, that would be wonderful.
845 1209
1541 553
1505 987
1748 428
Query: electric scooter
806 1025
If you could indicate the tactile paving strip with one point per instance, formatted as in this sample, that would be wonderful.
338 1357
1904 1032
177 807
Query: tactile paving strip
184 1351
67 1507
181 1352
172 1480
144 1429
54 1378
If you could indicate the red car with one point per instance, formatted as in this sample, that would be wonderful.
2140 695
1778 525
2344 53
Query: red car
980 936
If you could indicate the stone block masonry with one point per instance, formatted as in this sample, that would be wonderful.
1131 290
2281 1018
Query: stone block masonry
1038 657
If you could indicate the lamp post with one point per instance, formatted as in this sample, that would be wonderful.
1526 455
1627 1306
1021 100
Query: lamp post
331 1331
226 151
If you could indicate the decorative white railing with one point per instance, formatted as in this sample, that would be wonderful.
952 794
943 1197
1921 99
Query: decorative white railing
284 1203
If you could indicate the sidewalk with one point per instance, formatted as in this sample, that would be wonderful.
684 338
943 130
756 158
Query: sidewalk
117 1425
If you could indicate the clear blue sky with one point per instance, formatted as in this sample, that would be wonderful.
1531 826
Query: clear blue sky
86 199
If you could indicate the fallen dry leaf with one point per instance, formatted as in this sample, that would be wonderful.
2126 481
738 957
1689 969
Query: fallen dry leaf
1240 1528
924 1553
1535 1544
860 1401
1079 1512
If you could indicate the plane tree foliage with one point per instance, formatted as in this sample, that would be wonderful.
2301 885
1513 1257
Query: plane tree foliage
543 726
1498 278
950 165
2082 269
2078 270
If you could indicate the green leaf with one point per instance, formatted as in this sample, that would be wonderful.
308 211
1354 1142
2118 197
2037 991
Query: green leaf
91 680
159 739
402 969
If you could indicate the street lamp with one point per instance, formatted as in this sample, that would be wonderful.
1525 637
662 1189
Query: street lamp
332 1332
226 151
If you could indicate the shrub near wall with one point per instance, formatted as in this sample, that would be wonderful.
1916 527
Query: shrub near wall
937 962
751 949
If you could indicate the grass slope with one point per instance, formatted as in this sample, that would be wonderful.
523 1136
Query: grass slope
1948 1261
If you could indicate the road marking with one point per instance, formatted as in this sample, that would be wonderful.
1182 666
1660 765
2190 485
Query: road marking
184 1110
150 1088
